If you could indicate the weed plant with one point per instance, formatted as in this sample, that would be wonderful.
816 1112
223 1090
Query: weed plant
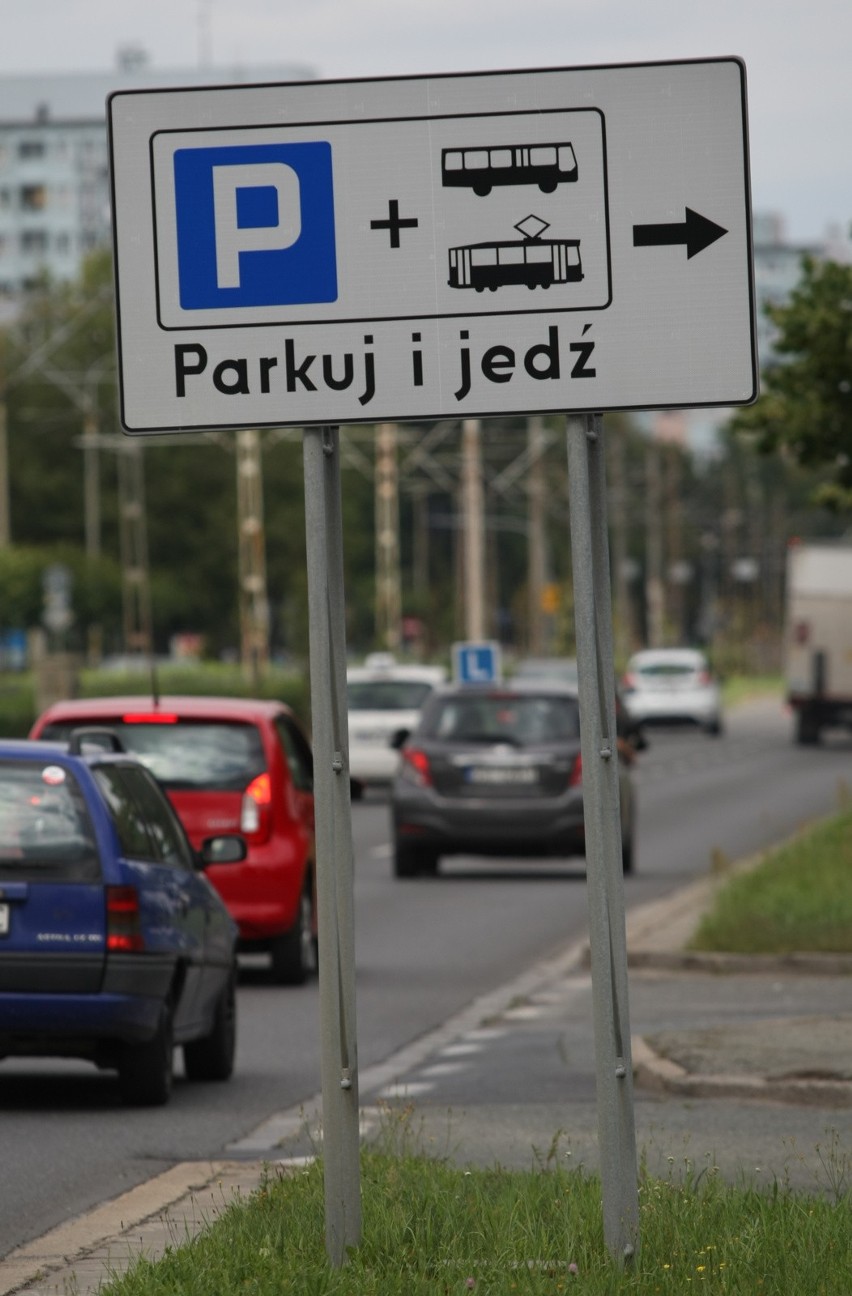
430 1229
797 899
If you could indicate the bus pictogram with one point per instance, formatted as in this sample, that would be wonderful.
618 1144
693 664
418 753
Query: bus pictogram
534 261
480 169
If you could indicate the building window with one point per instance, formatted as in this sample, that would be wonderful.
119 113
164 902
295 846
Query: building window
31 148
34 241
33 197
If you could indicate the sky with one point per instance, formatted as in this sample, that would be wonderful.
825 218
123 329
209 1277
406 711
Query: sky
797 57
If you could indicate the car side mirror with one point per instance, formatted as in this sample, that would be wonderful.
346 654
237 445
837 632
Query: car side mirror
399 739
222 850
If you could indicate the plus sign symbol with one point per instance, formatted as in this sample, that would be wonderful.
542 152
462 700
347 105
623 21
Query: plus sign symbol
393 222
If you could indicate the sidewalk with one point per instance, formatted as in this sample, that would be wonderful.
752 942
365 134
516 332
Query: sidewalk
511 1080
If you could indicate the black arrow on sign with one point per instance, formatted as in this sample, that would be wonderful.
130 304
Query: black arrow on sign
697 232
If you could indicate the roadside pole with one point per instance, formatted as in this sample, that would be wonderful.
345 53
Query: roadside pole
593 619
334 851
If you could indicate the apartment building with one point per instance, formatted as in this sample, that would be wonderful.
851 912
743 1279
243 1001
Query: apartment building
54 176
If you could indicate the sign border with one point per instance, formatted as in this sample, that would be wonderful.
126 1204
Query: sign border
483 74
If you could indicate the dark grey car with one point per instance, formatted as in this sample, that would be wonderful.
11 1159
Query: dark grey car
496 771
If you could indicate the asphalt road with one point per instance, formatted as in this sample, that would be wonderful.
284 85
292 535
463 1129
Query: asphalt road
425 948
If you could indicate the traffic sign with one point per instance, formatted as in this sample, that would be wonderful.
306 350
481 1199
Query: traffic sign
477 663
424 247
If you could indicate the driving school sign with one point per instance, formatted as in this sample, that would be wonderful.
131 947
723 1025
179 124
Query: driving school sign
429 247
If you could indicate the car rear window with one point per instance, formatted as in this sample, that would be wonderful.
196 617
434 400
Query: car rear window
46 833
517 719
192 755
387 695
668 670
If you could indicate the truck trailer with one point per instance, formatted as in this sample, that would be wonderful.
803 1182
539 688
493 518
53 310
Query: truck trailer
818 637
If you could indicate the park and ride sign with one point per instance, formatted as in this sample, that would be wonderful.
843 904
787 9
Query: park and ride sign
432 247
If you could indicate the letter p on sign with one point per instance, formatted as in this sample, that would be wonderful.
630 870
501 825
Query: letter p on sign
243 225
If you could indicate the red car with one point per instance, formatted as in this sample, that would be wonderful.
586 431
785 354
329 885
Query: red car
230 765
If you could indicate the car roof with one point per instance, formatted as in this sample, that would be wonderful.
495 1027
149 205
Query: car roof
557 668
650 655
514 688
409 674
187 707
38 750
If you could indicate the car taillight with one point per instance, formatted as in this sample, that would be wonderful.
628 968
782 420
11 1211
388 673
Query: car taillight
415 766
575 778
256 808
629 680
150 717
124 928
704 678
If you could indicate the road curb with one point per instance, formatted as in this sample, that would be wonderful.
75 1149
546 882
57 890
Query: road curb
90 1249
658 1074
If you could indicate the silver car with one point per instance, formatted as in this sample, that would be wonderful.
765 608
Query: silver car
496 771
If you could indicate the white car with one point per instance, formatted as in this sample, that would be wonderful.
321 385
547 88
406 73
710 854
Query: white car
384 698
671 686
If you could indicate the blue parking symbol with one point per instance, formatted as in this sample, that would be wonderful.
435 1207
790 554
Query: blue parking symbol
255 225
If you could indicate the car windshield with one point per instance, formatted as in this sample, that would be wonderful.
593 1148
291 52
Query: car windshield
45 829
210 756
387 695
657 670
512 718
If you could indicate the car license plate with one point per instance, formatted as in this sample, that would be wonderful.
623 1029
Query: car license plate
494 774
4 920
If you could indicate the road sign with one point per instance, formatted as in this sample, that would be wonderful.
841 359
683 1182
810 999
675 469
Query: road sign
477 663
448 246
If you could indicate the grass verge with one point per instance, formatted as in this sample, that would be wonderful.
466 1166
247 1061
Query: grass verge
429 1228
797 899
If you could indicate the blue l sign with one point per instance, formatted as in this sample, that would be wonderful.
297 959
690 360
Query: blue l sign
255 225
476 663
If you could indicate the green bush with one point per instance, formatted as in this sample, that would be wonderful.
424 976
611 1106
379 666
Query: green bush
17 706
291 687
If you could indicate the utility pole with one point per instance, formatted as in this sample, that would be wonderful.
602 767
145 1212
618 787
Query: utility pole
5 520
388 593
91 476
623 637
536 550
654 589
473 523
133 535
253 599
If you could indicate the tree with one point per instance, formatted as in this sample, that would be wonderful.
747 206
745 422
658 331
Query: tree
806 406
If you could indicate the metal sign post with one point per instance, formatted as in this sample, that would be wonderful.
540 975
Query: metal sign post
334 851
593 615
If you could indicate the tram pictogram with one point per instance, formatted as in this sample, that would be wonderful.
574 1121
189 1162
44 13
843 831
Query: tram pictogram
532 260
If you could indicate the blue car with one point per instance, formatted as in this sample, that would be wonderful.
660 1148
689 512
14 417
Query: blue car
114 947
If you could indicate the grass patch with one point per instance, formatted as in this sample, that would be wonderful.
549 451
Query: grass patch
742 688
798 899
430 1229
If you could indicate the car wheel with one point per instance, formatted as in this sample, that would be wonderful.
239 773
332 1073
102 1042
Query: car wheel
294 955
714 728
413 861
146 1070
356 790
212 1056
